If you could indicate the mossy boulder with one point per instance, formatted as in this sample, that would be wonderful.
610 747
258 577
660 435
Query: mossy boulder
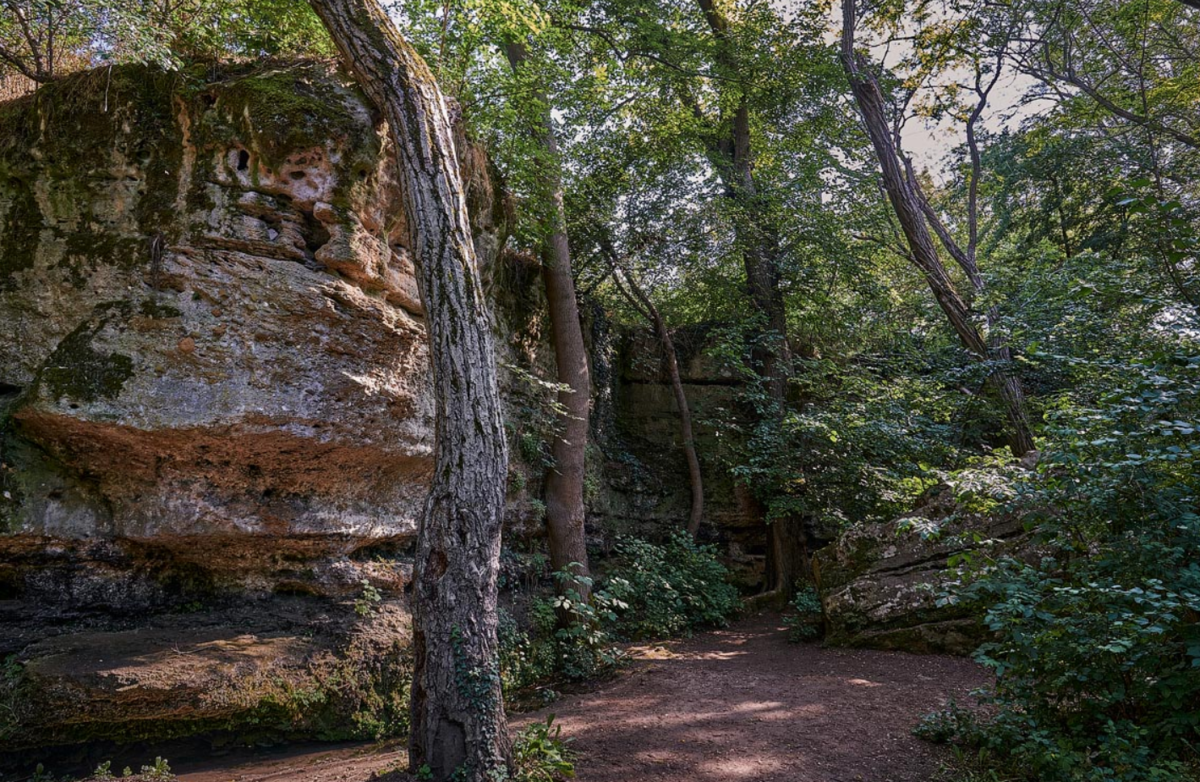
882 585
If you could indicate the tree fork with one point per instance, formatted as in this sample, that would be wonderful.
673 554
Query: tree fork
907 205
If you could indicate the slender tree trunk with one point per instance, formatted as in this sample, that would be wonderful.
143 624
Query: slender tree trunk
458 722
645 307
565 515
695 479
907 205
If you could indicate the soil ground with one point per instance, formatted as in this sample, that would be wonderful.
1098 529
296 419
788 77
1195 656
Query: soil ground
733 705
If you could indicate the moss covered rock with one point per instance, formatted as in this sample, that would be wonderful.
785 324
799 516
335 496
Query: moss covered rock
881 584
290 667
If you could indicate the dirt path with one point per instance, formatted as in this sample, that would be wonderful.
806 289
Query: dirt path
727 706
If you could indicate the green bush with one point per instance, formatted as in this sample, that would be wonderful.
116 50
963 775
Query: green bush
1096 644
952 723
669 590
567 640
805 623
540 754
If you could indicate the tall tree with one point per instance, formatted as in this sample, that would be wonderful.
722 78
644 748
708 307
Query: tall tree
731 152
458 723
722 101
912 213
565 514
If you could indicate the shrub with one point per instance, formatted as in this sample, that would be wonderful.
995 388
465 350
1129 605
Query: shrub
671 589
952 723
1096 644
541 755
805 624
577 648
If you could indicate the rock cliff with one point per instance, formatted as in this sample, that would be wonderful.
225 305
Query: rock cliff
215 411
216 341
213 390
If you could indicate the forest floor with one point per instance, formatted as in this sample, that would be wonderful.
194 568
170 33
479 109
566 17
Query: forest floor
733 705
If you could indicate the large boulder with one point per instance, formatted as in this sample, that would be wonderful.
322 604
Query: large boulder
282 668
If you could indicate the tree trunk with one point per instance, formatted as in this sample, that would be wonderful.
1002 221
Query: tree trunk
458 722
641 302
564 480
695 479
732 156
907 205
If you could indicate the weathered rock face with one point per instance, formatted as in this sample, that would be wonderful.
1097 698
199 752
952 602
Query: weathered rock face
290 666
214 406
213 332
880 583
644 487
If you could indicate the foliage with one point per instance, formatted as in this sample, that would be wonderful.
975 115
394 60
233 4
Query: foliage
368 601
44 39
805 623
568 640
160 770
1096 650
973 766
541 755
948 724
584 648
652 591
1088 241
669 589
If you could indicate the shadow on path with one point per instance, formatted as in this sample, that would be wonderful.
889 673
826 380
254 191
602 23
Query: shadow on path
744 704
733 705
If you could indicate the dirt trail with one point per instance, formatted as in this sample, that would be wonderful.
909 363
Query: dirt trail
726 706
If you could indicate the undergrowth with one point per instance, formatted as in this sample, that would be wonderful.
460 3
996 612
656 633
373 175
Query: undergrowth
652 591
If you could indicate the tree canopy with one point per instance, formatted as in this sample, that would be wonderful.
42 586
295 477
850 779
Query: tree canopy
931 242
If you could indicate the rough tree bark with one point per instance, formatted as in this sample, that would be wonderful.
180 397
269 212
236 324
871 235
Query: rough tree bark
637 298
732 156
564 480
912 213
458 721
